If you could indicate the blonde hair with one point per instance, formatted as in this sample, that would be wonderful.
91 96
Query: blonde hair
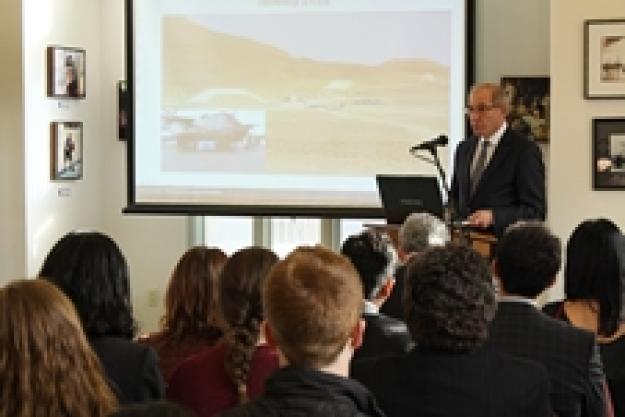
47 367
312 301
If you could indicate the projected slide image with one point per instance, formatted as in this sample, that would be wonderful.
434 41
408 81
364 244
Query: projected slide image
209 140
348 99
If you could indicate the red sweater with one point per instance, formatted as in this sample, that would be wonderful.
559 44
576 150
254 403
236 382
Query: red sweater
201 383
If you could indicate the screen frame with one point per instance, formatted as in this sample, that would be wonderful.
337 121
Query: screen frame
132 207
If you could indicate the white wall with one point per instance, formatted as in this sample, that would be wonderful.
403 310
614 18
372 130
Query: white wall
571 198
73 23
12 215
512 38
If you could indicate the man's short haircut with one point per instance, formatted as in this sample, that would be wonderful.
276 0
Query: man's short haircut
373 255
528 258
497 94
449 299
420 231
312 301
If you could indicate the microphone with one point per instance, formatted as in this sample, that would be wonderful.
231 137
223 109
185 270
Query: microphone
429 145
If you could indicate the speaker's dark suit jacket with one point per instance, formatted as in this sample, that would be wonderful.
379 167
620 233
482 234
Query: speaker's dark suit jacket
569 354
512 185
480 383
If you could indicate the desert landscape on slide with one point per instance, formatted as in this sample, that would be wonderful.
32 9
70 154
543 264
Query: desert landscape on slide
234 104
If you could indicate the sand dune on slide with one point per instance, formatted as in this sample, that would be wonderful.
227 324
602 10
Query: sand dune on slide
316 111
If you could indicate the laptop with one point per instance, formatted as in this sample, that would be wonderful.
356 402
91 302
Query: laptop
402 195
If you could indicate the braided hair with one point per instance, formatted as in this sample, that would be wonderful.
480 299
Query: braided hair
241 310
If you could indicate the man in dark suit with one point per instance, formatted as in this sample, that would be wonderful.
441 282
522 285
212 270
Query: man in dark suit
373 255
527 260
499 175
449 302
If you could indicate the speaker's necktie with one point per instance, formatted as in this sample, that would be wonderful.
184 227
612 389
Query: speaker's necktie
480 165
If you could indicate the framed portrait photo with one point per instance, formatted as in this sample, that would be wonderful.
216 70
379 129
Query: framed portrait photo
527 99
66 150
604 71
608 138
66 72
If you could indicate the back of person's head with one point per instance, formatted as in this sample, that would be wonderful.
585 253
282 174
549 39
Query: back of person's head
47 366
92 271
373 256
593 270
241 310
420 231
313 302
449 299
153 409
527 259
190 300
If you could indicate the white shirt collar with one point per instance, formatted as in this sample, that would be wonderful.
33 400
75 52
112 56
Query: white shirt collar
370 308
516 299
496 137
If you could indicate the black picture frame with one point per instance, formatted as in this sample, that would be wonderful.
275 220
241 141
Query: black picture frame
66 151
66 72
608 153
604 65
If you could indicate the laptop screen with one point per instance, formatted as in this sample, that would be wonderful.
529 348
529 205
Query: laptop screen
402 195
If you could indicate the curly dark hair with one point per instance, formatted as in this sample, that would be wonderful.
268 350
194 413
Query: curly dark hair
593 270
373 255
528 258
449 299
240 306
92 271
190 301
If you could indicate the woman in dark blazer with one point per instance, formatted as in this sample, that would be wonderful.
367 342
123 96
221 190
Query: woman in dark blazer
91 270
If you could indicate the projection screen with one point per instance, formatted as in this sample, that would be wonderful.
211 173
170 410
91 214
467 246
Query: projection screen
288 107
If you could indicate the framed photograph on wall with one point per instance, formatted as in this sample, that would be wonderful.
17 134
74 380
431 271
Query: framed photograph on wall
527 99
66 72
122 110
604 67
66 150
608 145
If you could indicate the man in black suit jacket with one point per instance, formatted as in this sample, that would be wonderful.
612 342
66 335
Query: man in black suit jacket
499 175
526 263
375 260
449 302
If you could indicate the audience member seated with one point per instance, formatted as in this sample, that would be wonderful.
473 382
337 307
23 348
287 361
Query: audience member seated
449 302
47 368
418 232
593 274
154 409
91 270
313 304
527 260
375 260
235 369
189 324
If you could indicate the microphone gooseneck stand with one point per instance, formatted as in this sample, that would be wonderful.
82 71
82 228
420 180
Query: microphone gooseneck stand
455 226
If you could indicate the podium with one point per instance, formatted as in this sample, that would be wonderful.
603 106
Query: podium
482 243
